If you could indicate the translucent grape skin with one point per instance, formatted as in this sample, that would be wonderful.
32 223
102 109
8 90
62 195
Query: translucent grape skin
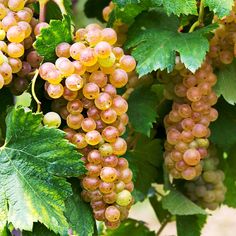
52 119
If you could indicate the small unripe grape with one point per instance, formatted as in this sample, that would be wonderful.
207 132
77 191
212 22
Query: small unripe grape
110 198
75 107
106 187
52 119
106 149
79 140
108 174
103 49
110 161
103 101
55 90
74 121
74 82
124 198
88 124
90 183
119 78
110 134
93 137
88 57
91 90
63 50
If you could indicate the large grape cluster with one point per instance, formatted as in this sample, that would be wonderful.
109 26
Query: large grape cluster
223 43
187 124
17 58
83 83
208 190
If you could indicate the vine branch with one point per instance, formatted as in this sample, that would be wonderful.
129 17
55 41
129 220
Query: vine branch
200 17
163 225
127 93
42 10
33 90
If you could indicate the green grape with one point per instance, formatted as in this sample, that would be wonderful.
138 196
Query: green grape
124 198
119 186
52 119
108 61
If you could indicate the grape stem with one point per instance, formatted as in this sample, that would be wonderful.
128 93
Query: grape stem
60 4
42 10
33 90
127 93
199 22
163 225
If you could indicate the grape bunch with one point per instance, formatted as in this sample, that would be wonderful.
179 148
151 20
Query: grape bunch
223 43
120 28
17 58
208 190
187 124
83 85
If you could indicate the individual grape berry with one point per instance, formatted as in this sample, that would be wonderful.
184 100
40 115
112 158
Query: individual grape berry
110 161
75 50
15 50
99 78
124 198
109 35
93 170
88 57
91 90
74 82
106 149
55 90
93 137
74 121
106 187
90 183
52 119
119 78
119 146
112 214
103 49
108 116
108 61
39 27
65 66
79 141
63 50
110 198
108 174
103 101
75 107
127 63
110 134
120 105
15 34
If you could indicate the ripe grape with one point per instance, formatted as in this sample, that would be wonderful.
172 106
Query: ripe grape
108 174
52 119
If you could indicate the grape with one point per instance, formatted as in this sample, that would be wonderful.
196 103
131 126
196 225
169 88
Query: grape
199 131
93 37
110 89
103 49
98 205
69 95
194 94
99 78
55 90
93 112
34 59
88 57
74 82
108 116
108 174
118 52
87 103
75 50
25 15
112 214
26 29
92 68
103 101
69 133
127 63
120 185
106 187
122 163
75 107
39 27
110 134
90 183
119 105
106 149
63 50
79 140
18 86
109 35
110 198
93 137
16 5
91 90
1 81
110 161
106 12
74 121
112 225
65 66
94 157
99 215
52 119
88 124
44 69
79 68
15 63
126 175
189 173
119 78
93 170
124 198
15 34
8 21
15 50
108 61
129 186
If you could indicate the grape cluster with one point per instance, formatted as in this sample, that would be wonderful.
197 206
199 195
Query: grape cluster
17 58
118 26
208 190
83 83
223 43
187 124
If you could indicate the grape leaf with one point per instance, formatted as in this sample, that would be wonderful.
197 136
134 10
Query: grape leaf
131 227
165 43
190 225
226 83
228 166
220 7
177 204
223 128
50 37
178 7
145 169
39 230
79 213
35 162
142 112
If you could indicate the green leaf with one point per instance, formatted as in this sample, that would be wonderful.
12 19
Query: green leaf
154 43
50 37
228 166
224 128
35 162
142 112
177 204
145 169
220 7
79 213
39 230
190 225
132 228
178 7
226 83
